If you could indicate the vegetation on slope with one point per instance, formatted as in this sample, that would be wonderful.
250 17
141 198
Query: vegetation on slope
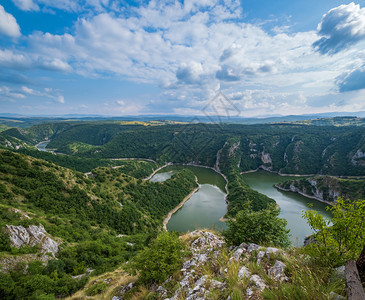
87 214
293 149
327 188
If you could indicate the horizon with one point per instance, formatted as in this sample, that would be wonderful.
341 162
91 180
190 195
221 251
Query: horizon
127 58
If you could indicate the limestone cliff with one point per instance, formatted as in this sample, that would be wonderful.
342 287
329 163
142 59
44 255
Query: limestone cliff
31 236
326 188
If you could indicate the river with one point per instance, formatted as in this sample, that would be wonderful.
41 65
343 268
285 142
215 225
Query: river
42 146
205 207
291 204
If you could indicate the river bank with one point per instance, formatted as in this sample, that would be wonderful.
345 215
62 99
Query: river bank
181 204
304 195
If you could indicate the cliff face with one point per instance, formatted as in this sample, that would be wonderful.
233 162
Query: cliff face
31 236
326 188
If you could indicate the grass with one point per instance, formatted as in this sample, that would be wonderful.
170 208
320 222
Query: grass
104 286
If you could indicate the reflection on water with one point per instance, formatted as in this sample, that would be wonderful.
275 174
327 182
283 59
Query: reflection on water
291 204
205 207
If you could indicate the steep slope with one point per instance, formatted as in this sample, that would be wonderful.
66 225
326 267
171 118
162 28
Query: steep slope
88 217
326 188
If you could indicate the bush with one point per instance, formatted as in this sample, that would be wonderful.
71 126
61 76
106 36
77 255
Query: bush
4 241
339 239
261 227
96 288
161 259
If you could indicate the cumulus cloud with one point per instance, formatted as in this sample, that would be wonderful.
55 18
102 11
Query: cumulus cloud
190 48
8 24
227 74
26 5
340 28
190 73
353 81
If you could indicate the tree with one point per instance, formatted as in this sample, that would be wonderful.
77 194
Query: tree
161 259
341 238
261 227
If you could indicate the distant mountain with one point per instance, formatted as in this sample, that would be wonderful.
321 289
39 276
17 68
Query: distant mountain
23 121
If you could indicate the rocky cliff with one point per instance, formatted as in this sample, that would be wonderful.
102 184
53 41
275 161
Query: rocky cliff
326 188
31 236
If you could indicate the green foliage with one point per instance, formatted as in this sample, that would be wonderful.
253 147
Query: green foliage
4 241
339 239
96 288
161 259
261 227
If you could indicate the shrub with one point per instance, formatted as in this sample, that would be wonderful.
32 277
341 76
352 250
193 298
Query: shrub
261 227
339 239
96 289
161 259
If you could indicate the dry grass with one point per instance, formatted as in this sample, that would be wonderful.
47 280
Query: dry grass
115 280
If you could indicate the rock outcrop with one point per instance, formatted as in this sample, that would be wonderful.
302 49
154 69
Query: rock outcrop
31 236
208 248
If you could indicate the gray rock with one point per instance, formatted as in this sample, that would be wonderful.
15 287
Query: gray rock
272 250
277 271
31 236
260 255
162 291
237 254
116 298
249 293
126 288
340 272
252 247
243 246
188 264
202 258
185 282
334 296
257 282
244 272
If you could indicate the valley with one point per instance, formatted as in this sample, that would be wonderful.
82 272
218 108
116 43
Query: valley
104 189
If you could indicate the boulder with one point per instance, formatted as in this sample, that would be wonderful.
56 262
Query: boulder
277 271
252 247
257 282
272 250
260 256
237 254
244 272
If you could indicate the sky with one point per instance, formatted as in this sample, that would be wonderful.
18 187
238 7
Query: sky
120 58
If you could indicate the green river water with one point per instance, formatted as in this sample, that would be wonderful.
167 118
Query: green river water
207 206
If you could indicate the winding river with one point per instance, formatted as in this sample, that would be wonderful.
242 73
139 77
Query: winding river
291 204
205 207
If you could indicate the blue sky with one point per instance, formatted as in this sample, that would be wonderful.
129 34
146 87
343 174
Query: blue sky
115 57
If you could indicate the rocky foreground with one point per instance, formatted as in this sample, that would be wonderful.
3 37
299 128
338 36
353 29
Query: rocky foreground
215 271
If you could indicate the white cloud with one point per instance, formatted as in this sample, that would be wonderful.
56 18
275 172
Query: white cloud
8 24
189 49
47 93
340 28
10 59
26 5
7 94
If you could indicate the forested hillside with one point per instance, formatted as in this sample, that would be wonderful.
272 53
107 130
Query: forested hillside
83 214
290 149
